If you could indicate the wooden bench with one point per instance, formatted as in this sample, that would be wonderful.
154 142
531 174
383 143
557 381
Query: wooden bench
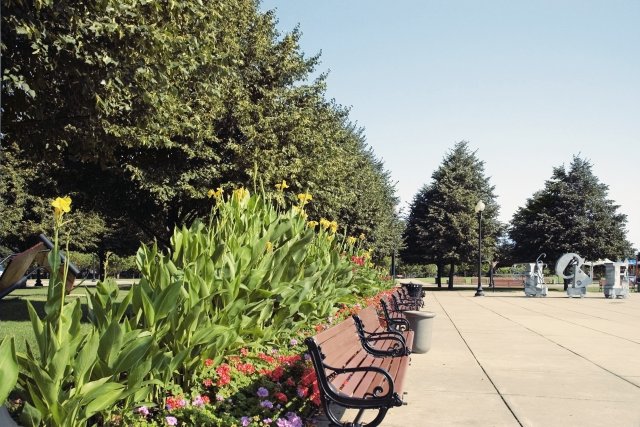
508 282
381 340
394 319
351 377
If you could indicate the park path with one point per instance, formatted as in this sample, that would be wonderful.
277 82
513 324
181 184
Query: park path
508 360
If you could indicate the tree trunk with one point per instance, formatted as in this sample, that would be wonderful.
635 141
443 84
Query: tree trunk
102 258
452 269
440 273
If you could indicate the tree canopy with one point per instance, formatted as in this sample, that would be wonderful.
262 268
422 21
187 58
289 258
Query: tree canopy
442 226
136 109
570 214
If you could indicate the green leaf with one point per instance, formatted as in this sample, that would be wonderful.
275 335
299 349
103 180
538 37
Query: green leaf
8 367
30 416
101 398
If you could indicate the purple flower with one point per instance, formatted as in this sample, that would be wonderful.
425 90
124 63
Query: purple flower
267 421
307 357
293 342
172 421
294 419
263 392
219 397
144 411
245 421
291 420
266 404
198 401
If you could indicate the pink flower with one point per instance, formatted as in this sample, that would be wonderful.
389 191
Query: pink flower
198 401
144 411
172 421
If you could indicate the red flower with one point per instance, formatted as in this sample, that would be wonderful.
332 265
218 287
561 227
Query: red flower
281 397
205 399
224 376
175 402
267 358
357 260
244 352
208 362
276 374
207 382
246 368
289 360
308 377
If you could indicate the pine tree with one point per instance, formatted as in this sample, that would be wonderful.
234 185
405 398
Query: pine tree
571 214
442 227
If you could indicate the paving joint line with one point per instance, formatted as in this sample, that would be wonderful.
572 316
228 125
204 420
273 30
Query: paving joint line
555 342
479 364
574 323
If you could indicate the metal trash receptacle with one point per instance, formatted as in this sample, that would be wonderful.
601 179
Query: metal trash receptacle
421 323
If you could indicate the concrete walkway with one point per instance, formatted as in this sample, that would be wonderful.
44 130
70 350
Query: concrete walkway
508 360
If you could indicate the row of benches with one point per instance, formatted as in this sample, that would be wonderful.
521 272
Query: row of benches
361 362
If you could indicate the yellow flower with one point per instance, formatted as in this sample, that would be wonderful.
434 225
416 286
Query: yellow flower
362 236
281 186
304 198
217 193
61 205
334 226
312 224
325 223
240 193
351 240
269 247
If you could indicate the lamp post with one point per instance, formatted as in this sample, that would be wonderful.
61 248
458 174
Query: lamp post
479 208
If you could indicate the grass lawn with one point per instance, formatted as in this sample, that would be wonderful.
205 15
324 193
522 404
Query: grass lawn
14 315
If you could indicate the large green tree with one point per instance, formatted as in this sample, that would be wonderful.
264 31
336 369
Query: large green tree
442 226
570 214
137 108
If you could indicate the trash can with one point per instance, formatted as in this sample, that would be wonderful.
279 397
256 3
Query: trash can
421 323
414 290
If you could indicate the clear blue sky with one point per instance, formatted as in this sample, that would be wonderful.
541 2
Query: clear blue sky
527 83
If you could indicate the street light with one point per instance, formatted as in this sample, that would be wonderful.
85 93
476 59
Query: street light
479 208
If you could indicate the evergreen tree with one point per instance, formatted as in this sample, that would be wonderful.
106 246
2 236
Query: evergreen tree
442 227
571 214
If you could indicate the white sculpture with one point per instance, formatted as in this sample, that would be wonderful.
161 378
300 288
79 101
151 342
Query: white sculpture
571 263
534 279
617 279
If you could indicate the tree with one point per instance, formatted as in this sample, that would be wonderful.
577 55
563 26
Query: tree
442 227
137 109
570 214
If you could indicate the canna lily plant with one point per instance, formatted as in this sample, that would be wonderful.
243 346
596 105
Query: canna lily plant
59 376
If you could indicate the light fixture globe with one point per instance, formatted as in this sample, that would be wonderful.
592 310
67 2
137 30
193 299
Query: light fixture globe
479 206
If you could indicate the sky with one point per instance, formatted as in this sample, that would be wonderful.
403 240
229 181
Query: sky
529 84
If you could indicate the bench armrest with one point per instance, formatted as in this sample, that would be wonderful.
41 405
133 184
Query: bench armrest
398 343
